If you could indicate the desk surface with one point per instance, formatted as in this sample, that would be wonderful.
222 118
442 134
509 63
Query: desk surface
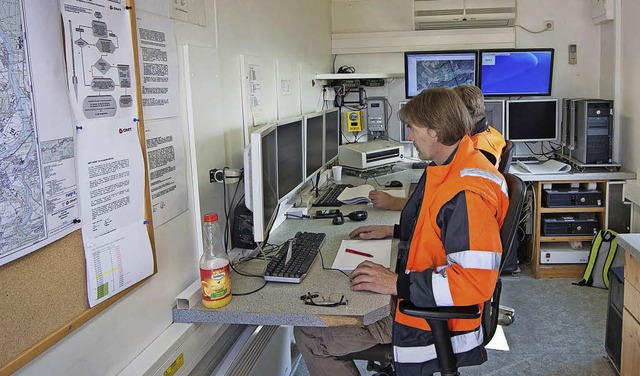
280 304
589 174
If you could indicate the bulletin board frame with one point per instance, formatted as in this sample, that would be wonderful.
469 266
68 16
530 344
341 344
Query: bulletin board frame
44 294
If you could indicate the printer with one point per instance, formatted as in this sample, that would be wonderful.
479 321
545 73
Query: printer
368 155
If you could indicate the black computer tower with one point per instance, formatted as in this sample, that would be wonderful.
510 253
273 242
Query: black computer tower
593 136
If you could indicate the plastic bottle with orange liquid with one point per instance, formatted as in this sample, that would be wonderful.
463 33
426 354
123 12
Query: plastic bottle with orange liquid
215 277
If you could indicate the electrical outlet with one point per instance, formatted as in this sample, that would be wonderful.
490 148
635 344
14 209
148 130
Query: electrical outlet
327 94
548 25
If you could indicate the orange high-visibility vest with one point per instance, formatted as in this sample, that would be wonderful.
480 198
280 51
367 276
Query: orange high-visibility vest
469 171
490 141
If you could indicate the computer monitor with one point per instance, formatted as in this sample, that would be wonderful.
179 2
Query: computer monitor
261 179
314 142
290 156
331 134
494 113
510 72
427 70
532 120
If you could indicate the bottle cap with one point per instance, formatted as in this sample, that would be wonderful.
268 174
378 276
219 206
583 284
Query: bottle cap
211 217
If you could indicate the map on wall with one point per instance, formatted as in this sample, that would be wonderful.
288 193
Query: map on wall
38 202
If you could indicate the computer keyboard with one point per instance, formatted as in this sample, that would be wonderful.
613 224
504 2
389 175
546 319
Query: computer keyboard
330 195
304 249
526 159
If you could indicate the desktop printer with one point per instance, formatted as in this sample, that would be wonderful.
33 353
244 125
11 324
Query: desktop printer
368 155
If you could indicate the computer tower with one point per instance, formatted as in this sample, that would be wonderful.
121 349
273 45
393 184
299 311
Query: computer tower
593 131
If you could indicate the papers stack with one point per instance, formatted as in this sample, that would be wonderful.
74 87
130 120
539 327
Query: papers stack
356 195
548 167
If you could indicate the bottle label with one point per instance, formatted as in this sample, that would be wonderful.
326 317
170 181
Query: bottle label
216 283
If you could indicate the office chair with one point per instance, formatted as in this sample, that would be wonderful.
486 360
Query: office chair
505 157
437 317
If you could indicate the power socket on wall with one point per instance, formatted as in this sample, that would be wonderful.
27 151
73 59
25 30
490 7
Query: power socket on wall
548 25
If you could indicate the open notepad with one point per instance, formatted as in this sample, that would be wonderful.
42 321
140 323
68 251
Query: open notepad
360 194
380 250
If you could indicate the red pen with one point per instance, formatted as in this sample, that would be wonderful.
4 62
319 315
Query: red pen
349 250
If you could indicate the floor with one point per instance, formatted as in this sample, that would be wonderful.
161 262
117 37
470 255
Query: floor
559 329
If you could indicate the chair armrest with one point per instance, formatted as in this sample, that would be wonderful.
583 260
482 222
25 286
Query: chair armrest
441 313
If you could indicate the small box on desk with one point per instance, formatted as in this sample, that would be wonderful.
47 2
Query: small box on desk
567 197
570 224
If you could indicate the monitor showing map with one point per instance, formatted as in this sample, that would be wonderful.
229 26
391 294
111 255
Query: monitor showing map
427 70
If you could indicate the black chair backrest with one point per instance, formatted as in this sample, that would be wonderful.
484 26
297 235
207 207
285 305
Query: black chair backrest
517 191
506 157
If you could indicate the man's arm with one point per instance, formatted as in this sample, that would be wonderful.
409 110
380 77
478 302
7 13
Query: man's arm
383 200
471 237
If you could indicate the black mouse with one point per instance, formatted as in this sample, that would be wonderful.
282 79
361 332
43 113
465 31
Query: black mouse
394 184
358 215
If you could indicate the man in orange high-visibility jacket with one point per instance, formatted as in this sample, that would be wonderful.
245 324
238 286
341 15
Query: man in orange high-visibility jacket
485 137
449 251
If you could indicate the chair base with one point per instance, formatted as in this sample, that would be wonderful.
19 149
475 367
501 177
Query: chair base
381 368
506 315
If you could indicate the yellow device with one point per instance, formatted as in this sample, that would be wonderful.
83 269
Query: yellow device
354 121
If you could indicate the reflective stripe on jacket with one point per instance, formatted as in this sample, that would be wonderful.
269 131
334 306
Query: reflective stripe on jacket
445 277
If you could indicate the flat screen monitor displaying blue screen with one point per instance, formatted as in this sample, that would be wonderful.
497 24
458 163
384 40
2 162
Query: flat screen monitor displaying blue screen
532 120
516 72
314 143
331 134
427 70
290 156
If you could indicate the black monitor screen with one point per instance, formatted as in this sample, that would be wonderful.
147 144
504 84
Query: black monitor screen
269 177
289 157
427 70
331 135
532 120
314 143
516 72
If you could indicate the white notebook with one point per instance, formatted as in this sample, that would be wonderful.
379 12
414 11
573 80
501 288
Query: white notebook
380 251
548 167
356 195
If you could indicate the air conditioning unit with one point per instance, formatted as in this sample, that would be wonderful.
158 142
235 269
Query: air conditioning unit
463 14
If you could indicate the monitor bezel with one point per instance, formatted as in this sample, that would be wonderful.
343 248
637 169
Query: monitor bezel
442 52
507 122
257 185
283 122
319 114
324 132
514 94
503 110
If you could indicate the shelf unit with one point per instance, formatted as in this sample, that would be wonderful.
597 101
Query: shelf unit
563 270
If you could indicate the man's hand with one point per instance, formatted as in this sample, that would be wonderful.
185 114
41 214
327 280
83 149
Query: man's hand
383 200
369 276
372 232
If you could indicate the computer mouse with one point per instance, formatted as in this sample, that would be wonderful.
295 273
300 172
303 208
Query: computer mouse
394 184
358 215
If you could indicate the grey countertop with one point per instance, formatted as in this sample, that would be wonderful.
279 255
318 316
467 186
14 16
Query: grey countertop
280 304
589 174
630 243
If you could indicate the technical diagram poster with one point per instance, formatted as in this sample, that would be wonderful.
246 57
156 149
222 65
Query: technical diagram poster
117 261
39 201
167 179
158 64
100 59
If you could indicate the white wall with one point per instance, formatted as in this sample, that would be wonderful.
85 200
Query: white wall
572 25
297 30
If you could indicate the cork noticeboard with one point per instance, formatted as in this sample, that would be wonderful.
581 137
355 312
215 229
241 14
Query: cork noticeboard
43 295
